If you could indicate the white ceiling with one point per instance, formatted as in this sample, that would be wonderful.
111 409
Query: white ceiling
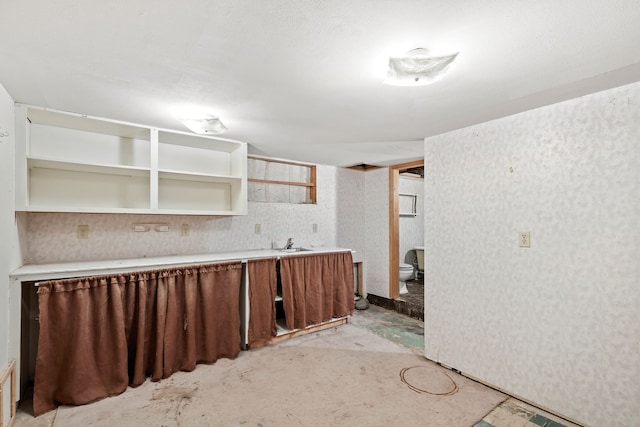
301 79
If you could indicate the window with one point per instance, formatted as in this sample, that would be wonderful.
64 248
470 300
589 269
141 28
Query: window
408 204
280 181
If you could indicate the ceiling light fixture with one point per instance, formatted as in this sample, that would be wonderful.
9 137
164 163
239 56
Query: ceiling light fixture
206 125
417 68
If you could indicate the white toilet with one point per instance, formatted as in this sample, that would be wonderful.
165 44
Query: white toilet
406 273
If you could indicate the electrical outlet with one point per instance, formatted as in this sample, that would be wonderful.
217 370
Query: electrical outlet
83 231
184 230
524 239
257 229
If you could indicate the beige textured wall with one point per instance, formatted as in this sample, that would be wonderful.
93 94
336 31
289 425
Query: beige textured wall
351 215
376 268
6 230
557 323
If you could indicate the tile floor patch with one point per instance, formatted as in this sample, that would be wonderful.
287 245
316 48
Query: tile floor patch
501 417
403 330
539 420
510 414
517 410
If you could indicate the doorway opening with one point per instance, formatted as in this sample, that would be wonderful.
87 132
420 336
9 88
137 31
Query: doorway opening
416 169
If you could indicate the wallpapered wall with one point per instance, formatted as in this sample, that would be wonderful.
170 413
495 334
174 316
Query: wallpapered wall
376 212
557 323
6 230
52 237
350 201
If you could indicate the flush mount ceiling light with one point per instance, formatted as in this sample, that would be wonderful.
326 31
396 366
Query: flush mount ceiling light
205 125
417 68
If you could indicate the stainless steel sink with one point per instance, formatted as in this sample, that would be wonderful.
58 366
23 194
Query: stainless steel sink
292 250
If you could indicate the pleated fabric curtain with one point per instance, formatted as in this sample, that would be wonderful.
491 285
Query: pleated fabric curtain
316 288
82 350
100 334
262 295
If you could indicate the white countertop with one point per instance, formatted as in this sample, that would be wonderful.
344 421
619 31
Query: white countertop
29 272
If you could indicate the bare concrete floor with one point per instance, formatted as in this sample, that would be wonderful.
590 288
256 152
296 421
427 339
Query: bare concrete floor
369 372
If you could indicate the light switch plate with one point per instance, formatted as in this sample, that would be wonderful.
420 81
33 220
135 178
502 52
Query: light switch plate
524 239
83 231
257 229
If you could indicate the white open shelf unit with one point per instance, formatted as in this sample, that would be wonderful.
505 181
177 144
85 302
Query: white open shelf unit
69 162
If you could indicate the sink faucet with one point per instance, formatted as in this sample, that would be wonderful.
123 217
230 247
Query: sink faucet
289 244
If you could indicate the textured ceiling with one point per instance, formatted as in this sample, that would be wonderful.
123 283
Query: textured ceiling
301 79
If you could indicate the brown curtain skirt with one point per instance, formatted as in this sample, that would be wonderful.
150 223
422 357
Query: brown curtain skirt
100 334
316 288
262 295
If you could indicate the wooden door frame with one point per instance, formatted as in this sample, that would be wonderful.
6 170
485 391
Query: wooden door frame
394 225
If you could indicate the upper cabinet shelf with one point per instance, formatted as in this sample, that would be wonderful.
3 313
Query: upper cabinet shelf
72 163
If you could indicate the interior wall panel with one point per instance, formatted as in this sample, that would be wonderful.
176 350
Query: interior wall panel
556 323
